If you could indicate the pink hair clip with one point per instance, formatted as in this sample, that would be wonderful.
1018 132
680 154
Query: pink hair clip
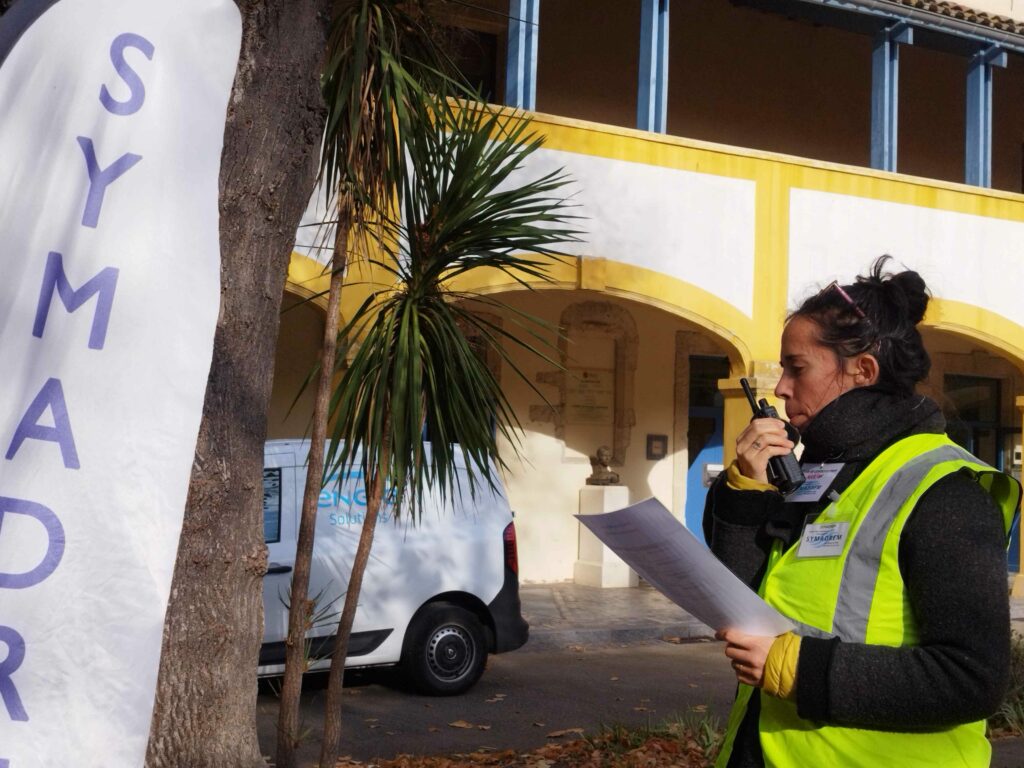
846 297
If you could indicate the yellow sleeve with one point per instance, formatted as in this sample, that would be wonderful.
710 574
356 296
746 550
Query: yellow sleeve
780 666
740 482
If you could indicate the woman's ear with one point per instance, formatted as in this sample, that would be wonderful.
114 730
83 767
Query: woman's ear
864 369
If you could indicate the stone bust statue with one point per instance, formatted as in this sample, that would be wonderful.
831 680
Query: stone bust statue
602 475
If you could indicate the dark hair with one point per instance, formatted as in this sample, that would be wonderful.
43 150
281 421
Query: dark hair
877 314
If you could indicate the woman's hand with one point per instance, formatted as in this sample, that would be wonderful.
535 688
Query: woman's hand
760 441
748 654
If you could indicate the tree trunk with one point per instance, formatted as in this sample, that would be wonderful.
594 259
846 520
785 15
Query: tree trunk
301 609
331 744
205 713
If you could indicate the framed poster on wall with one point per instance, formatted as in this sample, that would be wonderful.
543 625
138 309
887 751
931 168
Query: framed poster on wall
589 396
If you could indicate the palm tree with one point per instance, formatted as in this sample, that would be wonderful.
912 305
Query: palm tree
465 203
383 57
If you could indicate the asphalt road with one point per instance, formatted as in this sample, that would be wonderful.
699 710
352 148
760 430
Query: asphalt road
529 698
523 698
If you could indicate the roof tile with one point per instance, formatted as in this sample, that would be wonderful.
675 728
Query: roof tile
962 12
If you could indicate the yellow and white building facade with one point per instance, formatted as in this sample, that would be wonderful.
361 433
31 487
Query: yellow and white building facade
696 248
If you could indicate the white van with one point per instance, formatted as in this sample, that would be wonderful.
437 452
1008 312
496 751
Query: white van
438 595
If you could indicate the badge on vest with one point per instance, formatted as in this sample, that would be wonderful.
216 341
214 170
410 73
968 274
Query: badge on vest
817 479
823 540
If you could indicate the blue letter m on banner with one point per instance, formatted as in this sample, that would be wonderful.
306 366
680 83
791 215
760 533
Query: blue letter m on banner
104 284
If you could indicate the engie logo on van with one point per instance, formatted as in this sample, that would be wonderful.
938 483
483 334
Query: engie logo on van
823 540
346 500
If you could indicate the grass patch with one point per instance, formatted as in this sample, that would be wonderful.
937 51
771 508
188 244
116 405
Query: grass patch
694 734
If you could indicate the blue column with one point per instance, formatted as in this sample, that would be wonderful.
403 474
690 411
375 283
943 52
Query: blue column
521 66
978 157
652 94
885 84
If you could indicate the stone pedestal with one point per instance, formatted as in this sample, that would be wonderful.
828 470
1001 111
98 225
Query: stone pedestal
597 565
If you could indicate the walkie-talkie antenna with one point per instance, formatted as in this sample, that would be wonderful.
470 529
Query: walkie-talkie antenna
750 396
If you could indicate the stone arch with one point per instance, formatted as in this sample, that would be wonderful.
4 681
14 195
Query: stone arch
728 325
960 355
986 329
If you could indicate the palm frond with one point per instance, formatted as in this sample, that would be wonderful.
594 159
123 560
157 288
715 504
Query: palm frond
385 59
470 202
466 201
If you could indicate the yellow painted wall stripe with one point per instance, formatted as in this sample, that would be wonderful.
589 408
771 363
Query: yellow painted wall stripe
750 339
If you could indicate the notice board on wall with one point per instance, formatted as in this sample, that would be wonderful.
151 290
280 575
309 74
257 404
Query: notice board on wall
589 396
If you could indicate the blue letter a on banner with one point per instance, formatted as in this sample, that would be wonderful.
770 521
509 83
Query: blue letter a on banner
50 396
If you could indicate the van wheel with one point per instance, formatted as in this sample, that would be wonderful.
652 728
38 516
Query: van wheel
445 650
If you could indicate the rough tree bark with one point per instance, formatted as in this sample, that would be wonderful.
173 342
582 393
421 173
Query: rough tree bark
206 697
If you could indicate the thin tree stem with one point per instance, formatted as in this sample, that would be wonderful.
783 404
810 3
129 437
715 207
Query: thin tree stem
301 609
331 744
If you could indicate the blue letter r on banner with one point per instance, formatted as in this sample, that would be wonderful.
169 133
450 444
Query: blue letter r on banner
15 655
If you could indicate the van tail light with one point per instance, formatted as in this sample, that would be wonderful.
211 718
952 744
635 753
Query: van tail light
511 551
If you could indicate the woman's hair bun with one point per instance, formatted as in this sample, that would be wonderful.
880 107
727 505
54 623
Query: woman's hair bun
903 290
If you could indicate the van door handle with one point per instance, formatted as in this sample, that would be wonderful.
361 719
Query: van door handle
278 568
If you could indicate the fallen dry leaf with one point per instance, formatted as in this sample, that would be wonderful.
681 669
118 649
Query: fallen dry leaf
682 751
614 677
460 724
565 732
539 725
483 727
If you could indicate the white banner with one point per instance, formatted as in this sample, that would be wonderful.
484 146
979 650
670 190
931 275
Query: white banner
111 123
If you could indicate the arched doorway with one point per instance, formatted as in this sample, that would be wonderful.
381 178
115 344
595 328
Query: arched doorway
627 367
978 387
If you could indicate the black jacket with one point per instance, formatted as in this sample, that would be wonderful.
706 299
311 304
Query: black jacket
952 558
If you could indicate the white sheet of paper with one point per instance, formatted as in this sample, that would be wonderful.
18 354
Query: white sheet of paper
659 548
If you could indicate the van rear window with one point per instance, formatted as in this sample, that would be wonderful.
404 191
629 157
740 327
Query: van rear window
272 505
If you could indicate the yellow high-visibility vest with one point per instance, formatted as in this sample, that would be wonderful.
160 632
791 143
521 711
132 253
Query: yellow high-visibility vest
858 595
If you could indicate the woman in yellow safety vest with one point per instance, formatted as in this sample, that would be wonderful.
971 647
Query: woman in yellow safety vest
891 562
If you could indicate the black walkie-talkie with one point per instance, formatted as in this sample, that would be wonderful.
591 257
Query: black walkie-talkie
783 471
